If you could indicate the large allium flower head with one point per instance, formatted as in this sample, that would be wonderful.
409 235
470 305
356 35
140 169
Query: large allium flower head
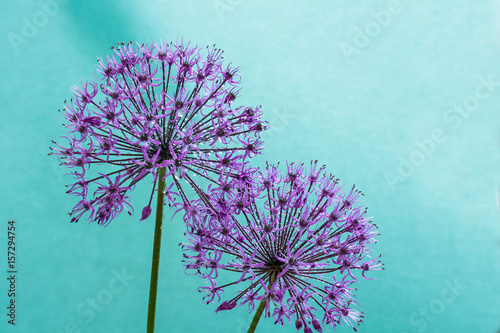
296 243
156 105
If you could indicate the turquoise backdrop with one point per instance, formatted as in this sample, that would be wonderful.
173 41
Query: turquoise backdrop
398 97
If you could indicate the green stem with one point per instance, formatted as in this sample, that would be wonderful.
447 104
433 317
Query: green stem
260 309
156 252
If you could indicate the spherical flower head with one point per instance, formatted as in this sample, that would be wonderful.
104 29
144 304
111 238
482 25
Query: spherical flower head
154 106
297 245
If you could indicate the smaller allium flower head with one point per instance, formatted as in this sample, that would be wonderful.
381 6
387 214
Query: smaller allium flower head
297 243
157 105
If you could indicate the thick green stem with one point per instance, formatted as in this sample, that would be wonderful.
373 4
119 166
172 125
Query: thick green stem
260 309
156 252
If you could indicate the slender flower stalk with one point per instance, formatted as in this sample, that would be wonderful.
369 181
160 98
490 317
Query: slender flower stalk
260 309
295 246
153 288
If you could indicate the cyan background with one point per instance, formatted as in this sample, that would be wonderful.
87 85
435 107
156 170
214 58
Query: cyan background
361 114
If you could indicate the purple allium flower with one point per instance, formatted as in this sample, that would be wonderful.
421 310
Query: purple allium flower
157 105
296 244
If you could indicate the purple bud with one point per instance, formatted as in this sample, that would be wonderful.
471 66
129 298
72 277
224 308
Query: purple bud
226 306
298 324
316 325
94 121
146 211
307 329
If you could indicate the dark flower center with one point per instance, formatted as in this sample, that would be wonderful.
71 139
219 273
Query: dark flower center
220 132
185 66
110 115
164 154
230 97
227 75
